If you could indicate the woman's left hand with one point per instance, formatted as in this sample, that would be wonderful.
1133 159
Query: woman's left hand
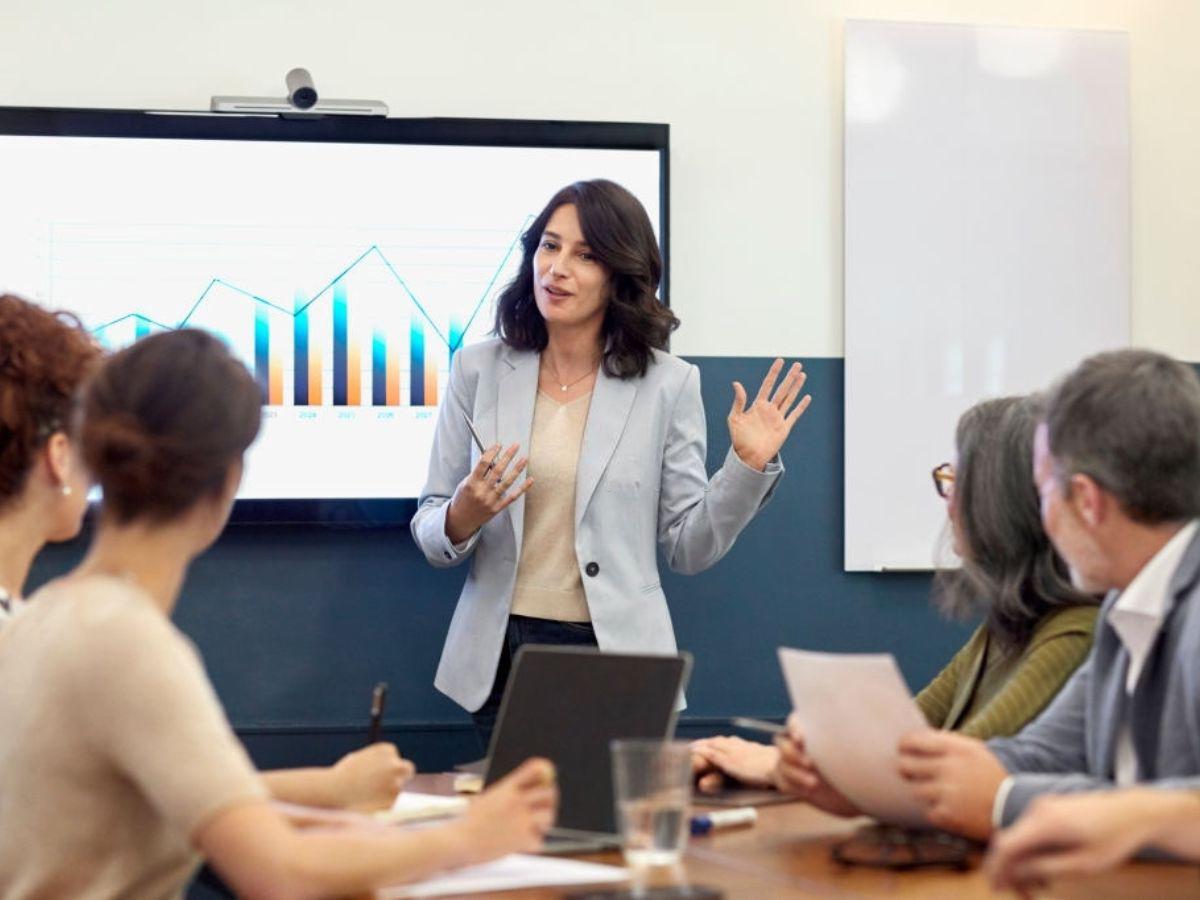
759 431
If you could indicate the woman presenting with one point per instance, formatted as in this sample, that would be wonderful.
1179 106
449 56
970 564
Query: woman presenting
564 539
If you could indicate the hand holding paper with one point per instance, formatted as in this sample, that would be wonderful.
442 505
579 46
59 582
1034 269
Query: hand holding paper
798 775
854 708
955 778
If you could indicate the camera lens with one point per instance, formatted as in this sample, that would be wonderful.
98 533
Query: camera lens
302 94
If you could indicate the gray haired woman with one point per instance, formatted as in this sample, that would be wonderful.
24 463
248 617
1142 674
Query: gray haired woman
1036 629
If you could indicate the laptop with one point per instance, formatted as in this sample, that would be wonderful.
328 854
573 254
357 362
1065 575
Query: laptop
567 704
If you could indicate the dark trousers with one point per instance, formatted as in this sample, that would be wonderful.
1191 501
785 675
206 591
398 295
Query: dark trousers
524 630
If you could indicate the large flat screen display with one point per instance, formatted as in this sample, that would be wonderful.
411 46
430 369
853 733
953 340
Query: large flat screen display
345 262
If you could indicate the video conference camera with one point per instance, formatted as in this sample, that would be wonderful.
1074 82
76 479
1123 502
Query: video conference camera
302 101
302 93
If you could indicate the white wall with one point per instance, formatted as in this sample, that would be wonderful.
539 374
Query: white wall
752 91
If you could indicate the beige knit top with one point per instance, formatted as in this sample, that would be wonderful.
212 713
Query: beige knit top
548 583
114 751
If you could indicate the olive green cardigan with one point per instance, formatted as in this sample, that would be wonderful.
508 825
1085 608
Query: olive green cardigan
984 695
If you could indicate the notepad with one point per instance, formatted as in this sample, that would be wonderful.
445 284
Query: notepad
507 874
413 807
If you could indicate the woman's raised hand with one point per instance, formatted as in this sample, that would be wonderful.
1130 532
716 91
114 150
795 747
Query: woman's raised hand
485 492
758 431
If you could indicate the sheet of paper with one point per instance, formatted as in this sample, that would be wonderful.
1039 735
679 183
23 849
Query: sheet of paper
854 709
510 873
413 807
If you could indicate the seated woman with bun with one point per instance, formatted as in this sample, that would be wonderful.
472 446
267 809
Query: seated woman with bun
1036 630
44 359
118 768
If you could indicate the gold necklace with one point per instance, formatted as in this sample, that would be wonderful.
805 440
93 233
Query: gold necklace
558 378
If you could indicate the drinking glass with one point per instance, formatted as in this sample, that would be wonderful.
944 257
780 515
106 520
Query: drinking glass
652 782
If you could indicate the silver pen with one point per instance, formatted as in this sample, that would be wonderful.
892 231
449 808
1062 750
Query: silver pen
478 442
759 725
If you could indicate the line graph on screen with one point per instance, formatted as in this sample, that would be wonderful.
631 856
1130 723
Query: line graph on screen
307 350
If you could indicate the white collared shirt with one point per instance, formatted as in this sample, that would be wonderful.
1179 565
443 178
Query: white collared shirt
1137 617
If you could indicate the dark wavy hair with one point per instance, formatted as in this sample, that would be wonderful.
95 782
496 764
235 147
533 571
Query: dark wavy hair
618 230
1010 571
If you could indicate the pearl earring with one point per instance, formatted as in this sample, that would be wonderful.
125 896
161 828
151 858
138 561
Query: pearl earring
66 490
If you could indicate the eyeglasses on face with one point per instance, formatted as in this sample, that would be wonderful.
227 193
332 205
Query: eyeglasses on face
943 480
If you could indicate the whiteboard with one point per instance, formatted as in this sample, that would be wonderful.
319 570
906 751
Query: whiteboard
987 246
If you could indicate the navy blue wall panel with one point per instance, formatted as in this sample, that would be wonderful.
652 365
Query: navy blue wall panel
297 623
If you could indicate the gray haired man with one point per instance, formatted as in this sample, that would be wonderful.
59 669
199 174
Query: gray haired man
1117 466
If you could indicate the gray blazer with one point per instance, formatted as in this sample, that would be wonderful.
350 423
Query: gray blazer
641 483
1071 746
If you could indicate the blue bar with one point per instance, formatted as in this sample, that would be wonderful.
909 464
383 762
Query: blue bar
456 337
378 369
416 363
341 359
262 349
142 329
300 346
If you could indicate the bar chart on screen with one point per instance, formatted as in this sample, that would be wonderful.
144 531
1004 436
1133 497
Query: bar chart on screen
378 327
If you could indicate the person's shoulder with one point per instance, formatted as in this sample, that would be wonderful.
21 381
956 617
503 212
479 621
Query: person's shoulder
973 648
104 618
1076 619
668 370
663 361
486 361
483 355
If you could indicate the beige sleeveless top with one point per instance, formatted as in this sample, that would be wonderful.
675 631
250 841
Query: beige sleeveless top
548 584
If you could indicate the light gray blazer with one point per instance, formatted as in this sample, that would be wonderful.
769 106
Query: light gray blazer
1071 746
641 484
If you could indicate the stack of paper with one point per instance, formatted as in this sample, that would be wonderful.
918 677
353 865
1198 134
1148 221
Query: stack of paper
510 873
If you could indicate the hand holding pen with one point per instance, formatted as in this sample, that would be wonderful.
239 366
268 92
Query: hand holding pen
490 488
368 779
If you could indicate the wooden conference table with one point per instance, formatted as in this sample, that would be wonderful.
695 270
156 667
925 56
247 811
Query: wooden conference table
786 855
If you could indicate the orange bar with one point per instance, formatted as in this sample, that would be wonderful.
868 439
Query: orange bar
275 394
431 397
314 376
393 377
354 376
